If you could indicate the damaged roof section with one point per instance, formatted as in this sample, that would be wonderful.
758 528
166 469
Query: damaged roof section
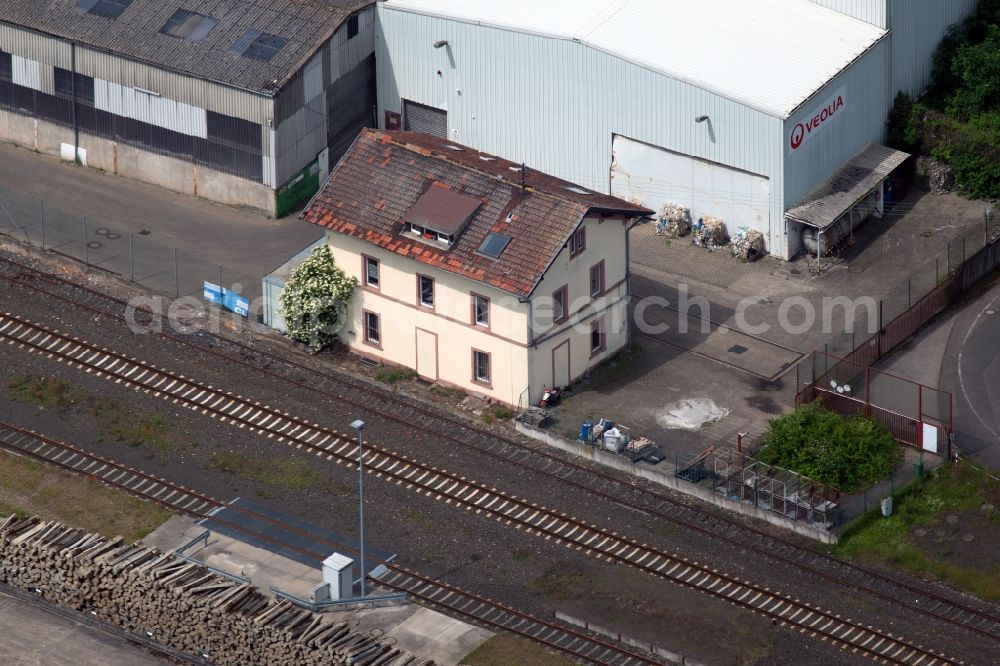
389 179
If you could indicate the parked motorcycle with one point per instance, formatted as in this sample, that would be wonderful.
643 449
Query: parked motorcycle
550 396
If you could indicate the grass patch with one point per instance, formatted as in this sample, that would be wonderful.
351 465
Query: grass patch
7 509
923 504
448 392
288 472
133 428
504 649
395 375
556 584
43 392
29 487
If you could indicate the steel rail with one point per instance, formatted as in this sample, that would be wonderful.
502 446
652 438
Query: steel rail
466 493
961 615
200 505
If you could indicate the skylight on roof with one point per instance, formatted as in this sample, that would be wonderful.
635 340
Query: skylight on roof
258 45
188 25
455 148
111 9
494 245
577 190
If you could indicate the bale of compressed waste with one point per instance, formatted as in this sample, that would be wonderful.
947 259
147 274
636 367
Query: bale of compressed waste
674 221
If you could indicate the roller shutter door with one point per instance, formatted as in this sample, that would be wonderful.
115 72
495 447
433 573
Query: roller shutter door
420 118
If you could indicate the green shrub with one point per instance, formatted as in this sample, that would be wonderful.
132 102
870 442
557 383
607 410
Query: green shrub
958 120
904 124
822 445
976 68
314 300
394 375
975 157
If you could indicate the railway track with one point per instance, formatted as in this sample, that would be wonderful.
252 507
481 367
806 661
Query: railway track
461 492
979 618
447 597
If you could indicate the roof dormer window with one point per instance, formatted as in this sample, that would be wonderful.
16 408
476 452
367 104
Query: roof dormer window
440 215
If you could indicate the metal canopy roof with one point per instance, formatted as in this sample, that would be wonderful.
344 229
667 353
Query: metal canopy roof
771 55
851 183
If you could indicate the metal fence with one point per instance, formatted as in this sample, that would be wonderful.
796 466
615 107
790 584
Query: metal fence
915 300
135 256
743 478
922 297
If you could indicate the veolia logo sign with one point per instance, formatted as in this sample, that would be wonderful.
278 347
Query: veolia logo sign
805 130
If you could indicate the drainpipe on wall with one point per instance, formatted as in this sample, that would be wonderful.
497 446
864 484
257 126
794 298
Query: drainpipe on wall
628 279
531 339
76 125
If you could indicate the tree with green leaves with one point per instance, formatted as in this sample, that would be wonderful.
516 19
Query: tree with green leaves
958 121
315 299
826 447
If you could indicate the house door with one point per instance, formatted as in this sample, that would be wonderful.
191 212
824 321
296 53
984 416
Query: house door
560 364
427 354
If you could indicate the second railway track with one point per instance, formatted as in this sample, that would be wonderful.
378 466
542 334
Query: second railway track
920 599
465 493
431 591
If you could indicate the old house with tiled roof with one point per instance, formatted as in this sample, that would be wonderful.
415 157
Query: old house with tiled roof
475 271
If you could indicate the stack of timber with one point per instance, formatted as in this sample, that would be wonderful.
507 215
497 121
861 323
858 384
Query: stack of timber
176 602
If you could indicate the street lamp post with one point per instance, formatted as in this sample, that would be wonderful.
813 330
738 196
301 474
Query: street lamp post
359 425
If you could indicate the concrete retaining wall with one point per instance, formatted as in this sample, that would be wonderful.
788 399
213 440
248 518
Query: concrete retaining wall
671 657
663 474
124 160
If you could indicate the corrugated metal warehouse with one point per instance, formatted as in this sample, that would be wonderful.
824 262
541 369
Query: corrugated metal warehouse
240 101
737 109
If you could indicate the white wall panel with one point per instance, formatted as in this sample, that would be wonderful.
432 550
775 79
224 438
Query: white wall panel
869 11
34 45
26 72
346 54
917 28
194 92
859 123
159 111
556 104
653 177
312 77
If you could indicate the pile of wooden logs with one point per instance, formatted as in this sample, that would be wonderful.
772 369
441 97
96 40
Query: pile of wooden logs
177 603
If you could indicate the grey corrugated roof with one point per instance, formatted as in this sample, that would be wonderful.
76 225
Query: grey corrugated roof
851 183
306 24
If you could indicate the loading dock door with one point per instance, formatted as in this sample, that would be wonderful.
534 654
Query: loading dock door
420 118
655 176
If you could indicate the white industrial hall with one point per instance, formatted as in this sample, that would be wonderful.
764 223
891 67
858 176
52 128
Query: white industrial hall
741 110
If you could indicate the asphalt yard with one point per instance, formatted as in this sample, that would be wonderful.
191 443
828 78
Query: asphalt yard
737 336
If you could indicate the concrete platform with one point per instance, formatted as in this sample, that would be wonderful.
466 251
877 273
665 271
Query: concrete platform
31 636
422 631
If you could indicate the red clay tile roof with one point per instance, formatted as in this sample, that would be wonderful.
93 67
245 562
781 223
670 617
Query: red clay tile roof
384 174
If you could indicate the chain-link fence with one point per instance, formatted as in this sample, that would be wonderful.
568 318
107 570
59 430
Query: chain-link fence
137 256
